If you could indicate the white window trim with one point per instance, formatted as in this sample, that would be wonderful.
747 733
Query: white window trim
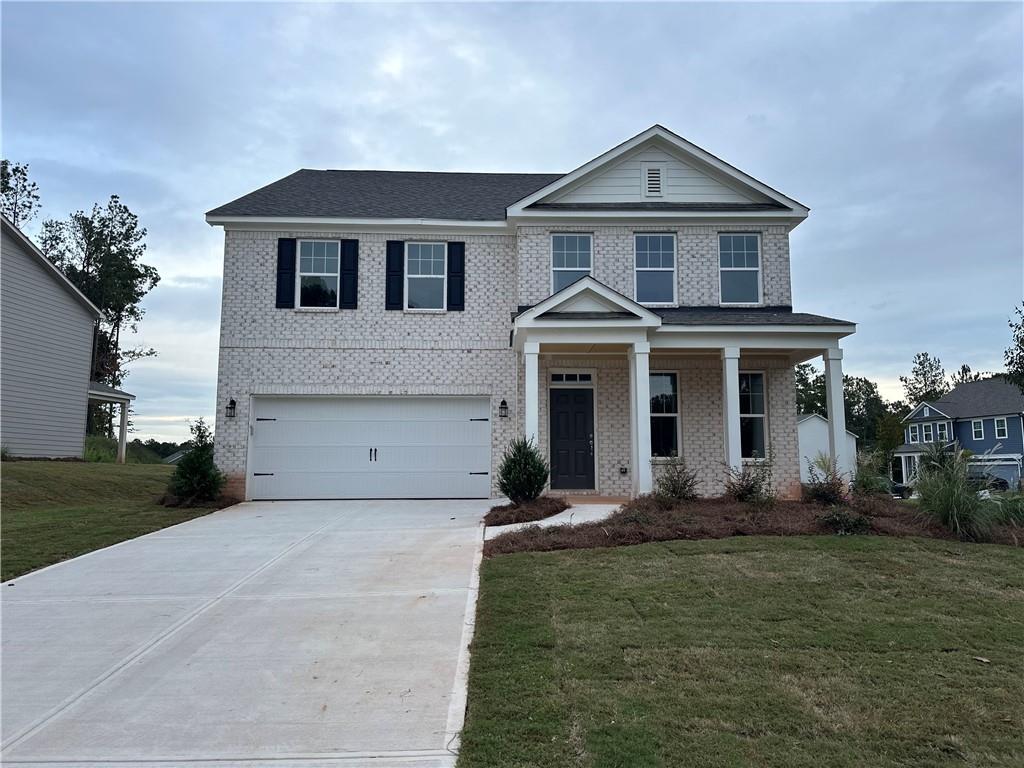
678 416
1005 430
443 277
929 430
977 425
299 274
914 434
644 168
674 270
759 270
764 416
944 436
551 257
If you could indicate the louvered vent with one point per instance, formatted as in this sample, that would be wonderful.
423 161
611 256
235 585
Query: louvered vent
652 181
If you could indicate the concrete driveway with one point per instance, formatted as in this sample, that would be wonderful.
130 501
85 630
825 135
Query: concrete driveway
270 633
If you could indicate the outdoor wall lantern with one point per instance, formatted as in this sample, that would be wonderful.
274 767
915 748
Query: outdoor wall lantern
503 410
230 410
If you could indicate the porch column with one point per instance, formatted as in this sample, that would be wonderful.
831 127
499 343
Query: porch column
641 376
835 404
122 434
731 406
531 397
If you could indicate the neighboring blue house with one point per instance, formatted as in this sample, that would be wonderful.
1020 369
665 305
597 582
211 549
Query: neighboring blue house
984 417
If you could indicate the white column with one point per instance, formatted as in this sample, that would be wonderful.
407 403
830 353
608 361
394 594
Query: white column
122 435
634 457
731 406
835 403
641 375
531 395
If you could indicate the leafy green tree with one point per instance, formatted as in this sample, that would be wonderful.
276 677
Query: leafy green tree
810 389
864 403
1014 355
196 478
19 195
889 434
927 380
965 375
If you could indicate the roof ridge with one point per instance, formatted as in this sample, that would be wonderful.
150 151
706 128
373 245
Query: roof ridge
448 173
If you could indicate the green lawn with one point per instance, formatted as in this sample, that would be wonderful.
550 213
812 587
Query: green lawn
53 510
754 651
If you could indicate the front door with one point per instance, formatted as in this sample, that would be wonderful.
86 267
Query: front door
572 438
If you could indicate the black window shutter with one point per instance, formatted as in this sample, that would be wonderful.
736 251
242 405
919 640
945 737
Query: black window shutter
349 273
395 275
456 277
286 273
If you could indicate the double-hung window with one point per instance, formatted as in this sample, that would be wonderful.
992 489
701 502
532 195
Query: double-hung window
978 429
752 416
425 275
664 414
913 434
942 431
655 262
926 433
318 276
739 258
1001 431
571 259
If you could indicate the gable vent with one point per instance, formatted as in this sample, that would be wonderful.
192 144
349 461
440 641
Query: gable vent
653 179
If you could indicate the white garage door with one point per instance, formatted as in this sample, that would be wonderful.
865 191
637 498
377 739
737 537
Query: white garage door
370 448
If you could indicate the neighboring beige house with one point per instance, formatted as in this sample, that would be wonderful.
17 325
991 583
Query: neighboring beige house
386 334
46 339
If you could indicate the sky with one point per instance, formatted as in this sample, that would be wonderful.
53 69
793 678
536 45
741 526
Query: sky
900 125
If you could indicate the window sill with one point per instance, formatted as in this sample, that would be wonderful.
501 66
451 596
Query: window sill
658 305
741 304
425 311
317 309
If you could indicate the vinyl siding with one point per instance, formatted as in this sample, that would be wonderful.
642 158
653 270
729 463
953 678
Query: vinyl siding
44 360
1014 442
683 183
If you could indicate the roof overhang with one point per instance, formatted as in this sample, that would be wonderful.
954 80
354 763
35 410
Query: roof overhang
105 394
921 406
317 223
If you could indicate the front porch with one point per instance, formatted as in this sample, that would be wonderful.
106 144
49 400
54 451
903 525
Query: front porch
608 387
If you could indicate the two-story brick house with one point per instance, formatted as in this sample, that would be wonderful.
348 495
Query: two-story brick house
386 334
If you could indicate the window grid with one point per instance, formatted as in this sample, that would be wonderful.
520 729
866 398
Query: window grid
941 431
753 416
926 433
426 276
664 390
1001 431
915 435
739 261
318 276
571 260
978 429
654 262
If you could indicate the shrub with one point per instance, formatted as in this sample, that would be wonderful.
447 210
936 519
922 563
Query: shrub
826 485
872 474
844 522
102 449
196 478
752 484
523 473
1009 508
675 480
950 497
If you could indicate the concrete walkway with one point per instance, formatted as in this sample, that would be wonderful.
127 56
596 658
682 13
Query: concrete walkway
583 513
274 633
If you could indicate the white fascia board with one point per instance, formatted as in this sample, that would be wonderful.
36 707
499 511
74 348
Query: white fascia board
675 141
320 222
591 285
626 216
995 458
707 338
601 333
107 397
835 331
910 415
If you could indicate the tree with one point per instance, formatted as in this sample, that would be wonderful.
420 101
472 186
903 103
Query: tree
101 253
810 389
888 434
927 380
965 375
19 195
1014 355
864 407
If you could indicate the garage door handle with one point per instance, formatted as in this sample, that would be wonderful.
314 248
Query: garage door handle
374 454
479 473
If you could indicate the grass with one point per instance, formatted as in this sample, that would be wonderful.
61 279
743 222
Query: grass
104 449
779 652
56 510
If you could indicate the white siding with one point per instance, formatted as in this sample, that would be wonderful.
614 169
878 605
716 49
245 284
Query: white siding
813 434
683 183
44 359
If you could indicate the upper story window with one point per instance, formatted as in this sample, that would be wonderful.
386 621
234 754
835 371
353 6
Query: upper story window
571 259
978 429
655 261
926 412
318 273
913 434
752 416
926 433
1001 431
653 179
942 431
740 268
425 275
664 414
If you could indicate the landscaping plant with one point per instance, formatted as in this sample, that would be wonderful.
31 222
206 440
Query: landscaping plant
752 484
826 484
872 474
674 480
523 473
948 495
196 478
844 523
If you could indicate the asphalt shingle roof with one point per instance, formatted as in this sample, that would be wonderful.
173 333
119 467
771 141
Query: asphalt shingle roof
389 195
742 316
995 396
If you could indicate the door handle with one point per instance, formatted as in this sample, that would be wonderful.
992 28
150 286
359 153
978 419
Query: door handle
371 454
374 454
590 442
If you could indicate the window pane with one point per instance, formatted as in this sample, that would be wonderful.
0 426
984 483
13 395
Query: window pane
318 292
306 263
740 287
664 395
752 393
565 278
306 248
663 436
426 293
752 437
654 287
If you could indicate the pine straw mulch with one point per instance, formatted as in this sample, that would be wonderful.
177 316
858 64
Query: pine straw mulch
527 512
647 519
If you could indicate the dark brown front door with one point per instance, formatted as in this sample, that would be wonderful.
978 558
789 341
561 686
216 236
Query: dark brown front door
572 438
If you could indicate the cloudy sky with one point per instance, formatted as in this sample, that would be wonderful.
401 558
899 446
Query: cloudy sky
900 125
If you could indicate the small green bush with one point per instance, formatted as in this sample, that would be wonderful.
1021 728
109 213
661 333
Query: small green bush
950 497
752 484
196 478
842 522
1009 508
872 476
523 473
826 485
674 480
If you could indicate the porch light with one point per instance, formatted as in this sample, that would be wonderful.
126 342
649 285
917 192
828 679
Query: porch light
230 410
503 410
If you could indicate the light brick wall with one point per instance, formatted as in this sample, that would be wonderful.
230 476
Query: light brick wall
697 253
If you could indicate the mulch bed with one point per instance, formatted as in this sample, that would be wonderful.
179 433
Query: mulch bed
528 512
647 519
